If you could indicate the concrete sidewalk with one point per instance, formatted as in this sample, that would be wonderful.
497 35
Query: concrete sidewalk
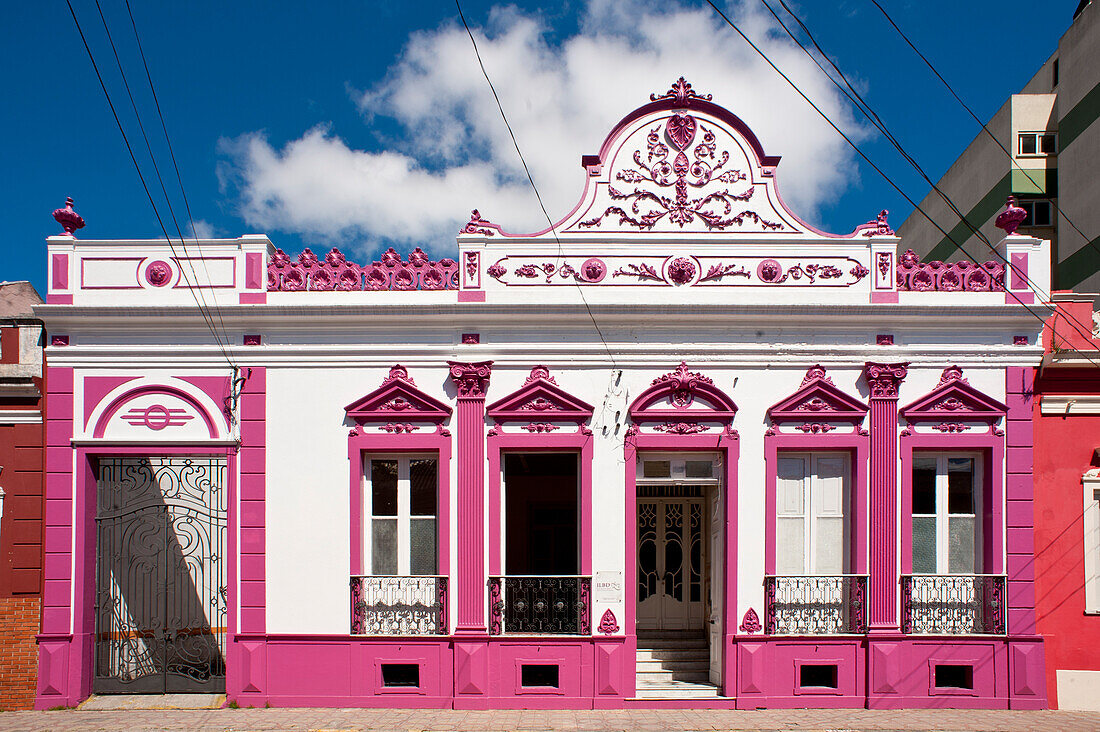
339 720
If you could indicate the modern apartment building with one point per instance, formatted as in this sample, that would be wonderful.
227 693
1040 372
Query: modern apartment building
1053 147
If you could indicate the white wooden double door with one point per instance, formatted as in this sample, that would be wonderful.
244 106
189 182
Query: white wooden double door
671 562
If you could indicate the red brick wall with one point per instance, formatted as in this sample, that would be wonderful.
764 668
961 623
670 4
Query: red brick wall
21 527
19 619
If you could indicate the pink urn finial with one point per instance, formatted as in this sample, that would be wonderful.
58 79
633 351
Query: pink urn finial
70 220
1011 217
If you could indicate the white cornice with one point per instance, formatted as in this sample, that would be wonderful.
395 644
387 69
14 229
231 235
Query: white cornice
20 416
1069 404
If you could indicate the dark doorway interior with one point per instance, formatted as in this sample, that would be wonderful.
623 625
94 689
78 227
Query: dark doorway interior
541 514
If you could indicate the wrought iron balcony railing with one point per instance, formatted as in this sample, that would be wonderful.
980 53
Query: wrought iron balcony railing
394 605
815 605
557 604
953 604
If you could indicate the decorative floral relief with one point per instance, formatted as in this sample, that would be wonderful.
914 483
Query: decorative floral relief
951 427
936 276
878 226
608 623
950 374
683 383
540 427
681 92
677 271
750 623
398 373
397 404
656 177
540 373
632 431
398 429
950 404
817 404
817 371
815 428
477 225
681 428
390 272
884 378
884 263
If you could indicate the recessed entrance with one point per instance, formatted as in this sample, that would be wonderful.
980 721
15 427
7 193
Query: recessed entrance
679 574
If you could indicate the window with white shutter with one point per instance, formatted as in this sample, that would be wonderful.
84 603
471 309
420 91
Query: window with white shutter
812 519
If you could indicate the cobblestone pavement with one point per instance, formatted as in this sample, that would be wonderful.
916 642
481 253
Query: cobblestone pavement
341 720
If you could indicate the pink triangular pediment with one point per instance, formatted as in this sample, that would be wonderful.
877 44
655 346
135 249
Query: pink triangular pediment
540 398
397 398
683 396
820 398
954 398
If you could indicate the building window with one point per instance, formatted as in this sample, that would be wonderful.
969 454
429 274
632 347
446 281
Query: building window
401 497
812 523
1091 481
946 529
1039 213
1054 74
1038 143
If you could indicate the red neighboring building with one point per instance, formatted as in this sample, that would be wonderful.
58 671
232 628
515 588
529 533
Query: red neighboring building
1067 514
21 495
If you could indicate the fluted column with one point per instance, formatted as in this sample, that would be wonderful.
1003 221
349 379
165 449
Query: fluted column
472 381
883 380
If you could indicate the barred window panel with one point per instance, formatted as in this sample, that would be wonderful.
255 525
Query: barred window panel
946 512
401 501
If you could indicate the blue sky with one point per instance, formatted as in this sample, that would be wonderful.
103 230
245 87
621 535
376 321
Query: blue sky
368 124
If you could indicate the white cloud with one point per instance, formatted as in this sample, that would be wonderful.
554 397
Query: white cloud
561 99
203 229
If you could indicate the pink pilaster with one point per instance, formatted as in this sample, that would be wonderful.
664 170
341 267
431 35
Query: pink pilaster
883 381
471 380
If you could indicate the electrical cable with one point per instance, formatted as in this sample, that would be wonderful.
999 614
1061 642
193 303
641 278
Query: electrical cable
137 167
137 115
172 154
984 127
855 147
868 111
530 179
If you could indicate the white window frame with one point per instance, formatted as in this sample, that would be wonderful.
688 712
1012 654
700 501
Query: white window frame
1091 521
942 516
678 468
1037 135
811 505
404 515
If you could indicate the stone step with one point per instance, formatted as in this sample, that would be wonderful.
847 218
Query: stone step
673 654
694 664
672 645
653 677
677 690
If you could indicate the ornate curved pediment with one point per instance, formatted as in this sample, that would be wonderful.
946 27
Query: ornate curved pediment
954 401
398 400
540 401
682 399
818 399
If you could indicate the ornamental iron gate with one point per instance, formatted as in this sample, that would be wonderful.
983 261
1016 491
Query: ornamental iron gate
160 575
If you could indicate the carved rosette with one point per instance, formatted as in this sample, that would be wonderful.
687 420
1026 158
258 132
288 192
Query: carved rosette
883 379
471 379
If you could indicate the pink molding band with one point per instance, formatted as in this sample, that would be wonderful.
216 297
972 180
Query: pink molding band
571 442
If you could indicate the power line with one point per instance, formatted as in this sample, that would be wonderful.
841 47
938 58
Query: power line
868 111
530 179
172 154
137 169
856 147
984 127
156 169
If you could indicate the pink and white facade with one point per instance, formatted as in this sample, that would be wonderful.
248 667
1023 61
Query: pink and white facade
517 478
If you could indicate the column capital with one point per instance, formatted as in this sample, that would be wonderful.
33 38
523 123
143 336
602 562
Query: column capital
884 378
471 379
